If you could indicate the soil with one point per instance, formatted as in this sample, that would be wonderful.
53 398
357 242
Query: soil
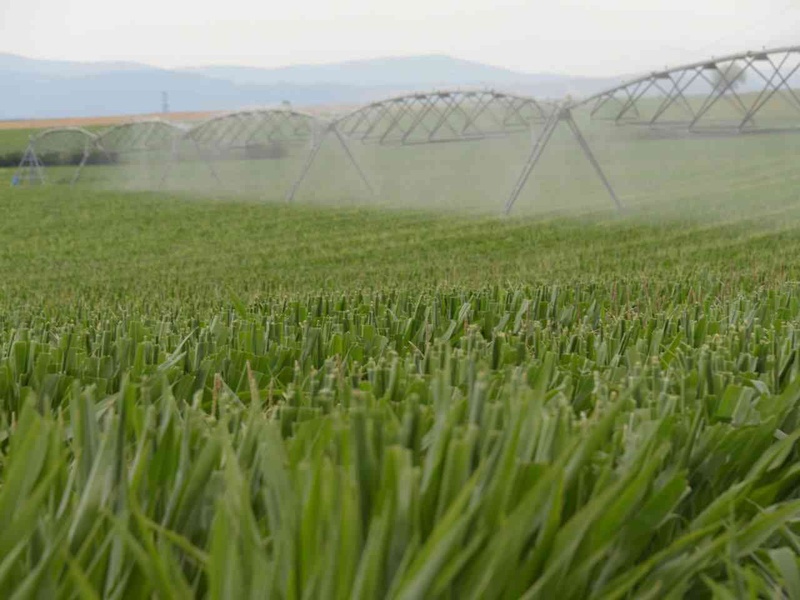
99 121
116 120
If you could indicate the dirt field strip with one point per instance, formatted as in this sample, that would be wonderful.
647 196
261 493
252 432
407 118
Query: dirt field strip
100 121
117 119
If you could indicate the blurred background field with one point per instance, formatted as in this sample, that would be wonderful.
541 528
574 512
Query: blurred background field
656 168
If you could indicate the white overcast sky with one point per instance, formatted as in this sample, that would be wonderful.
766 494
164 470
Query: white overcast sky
581 37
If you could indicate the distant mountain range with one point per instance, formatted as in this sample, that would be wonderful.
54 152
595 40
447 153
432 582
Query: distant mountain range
31 88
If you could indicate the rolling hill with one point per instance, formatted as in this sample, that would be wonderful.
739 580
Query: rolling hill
33 88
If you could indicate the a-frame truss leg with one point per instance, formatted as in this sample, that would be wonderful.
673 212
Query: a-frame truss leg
561 114
533 159
312 155
208 161
587 151
30 169
38 167
353 160
86 153
174 155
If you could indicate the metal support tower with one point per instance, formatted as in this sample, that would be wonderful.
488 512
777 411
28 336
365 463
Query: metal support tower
312 155
562 114
59 140
30 170
175 158
444 116
689 96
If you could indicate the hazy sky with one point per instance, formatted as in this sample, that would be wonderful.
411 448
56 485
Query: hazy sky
582 37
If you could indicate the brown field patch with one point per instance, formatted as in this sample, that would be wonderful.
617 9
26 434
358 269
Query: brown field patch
100 121
322 111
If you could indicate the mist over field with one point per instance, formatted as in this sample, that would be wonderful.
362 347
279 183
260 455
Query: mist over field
659 174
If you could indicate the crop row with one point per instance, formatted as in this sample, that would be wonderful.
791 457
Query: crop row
501 442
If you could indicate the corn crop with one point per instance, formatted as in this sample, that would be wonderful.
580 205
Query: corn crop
165 434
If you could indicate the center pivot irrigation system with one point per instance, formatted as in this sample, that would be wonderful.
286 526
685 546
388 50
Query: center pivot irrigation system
64 145
740 93
138 138
737 93
262 134
402 121
457 116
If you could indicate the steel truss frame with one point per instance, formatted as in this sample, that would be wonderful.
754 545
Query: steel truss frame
139 136
710 81
443 116
456 116
243 129
31 169
413 119
136 137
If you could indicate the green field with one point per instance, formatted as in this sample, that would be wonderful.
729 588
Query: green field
15 140
208 392
12 145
